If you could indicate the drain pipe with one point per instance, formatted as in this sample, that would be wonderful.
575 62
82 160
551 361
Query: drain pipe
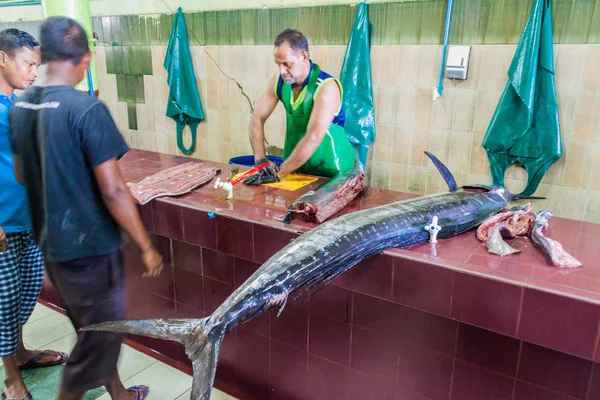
21 3
79 10
437 91
90 81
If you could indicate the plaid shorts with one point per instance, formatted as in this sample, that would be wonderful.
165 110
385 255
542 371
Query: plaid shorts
21 276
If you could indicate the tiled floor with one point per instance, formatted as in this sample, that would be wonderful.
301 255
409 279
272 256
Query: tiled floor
48 329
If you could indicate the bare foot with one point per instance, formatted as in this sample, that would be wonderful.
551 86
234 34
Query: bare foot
15 389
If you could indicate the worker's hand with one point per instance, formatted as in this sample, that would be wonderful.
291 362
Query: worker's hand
153 262
3 241
265 175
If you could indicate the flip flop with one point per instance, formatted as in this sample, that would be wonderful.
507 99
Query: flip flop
28 396
141 391
33 363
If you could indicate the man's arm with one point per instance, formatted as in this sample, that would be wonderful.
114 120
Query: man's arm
18 168
120 203
3 241
326 106
266 105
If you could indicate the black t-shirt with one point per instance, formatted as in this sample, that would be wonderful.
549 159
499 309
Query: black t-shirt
61 134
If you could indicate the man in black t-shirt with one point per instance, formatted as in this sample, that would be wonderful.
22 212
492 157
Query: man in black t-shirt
66 149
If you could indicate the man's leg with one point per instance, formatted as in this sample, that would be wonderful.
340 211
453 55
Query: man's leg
31 271
10 291
14 387
93 291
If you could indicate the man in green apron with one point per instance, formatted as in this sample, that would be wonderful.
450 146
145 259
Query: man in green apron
315 140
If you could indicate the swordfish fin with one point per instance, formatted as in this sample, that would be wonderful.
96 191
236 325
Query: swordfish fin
202 344
446 174
515 197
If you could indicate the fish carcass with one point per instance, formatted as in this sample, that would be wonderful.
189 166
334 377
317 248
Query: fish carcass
316 258
173 181
318 205
506 224
551 248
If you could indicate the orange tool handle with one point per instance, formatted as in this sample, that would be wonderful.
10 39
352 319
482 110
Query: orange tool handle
250 172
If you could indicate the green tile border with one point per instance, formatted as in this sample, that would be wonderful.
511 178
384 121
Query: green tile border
130 88
129 60
132 116
408 22
413 22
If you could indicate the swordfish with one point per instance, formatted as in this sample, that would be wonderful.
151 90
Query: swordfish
316 258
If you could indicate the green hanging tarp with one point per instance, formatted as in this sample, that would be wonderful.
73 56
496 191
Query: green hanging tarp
525 126
358 91
184 100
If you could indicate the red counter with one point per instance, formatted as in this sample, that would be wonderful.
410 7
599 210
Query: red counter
438 322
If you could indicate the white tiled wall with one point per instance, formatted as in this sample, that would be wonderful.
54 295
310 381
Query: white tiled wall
408 120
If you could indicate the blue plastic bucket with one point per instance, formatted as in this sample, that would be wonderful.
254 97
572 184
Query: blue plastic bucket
248 161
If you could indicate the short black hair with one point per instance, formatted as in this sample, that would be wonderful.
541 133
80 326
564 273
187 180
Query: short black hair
63 39
294 38
12 40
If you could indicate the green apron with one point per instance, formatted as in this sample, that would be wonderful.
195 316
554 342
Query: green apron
335 153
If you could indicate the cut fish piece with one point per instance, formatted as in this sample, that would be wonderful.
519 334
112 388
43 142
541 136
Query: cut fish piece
173 181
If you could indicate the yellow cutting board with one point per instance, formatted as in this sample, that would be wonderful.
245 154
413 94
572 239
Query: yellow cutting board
291 182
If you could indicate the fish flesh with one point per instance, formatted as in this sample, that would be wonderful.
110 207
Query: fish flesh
523 222
315 259
328 199
517 223
506 224
173 181
551 248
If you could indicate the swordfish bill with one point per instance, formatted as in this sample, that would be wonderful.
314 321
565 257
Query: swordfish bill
316 258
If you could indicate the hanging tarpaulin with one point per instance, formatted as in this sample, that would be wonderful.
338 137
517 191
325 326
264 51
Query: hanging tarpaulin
184 104
525 126
358 89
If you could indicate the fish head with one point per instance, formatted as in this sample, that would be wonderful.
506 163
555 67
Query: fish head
502 192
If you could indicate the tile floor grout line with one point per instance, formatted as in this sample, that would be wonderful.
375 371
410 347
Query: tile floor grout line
141 370
54 341
168 367
44 317
29 321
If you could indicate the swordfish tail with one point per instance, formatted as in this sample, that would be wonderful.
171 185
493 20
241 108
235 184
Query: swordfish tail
202 344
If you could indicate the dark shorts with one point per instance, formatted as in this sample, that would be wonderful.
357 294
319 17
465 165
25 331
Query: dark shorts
92 290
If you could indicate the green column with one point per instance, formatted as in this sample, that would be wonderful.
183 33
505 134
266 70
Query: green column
79 10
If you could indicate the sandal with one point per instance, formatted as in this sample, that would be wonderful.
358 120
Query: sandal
141 391
33 363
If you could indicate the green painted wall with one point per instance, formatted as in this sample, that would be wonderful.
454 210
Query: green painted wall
102 8
407 22
412 22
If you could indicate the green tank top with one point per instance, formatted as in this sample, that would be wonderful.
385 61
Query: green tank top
335 154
